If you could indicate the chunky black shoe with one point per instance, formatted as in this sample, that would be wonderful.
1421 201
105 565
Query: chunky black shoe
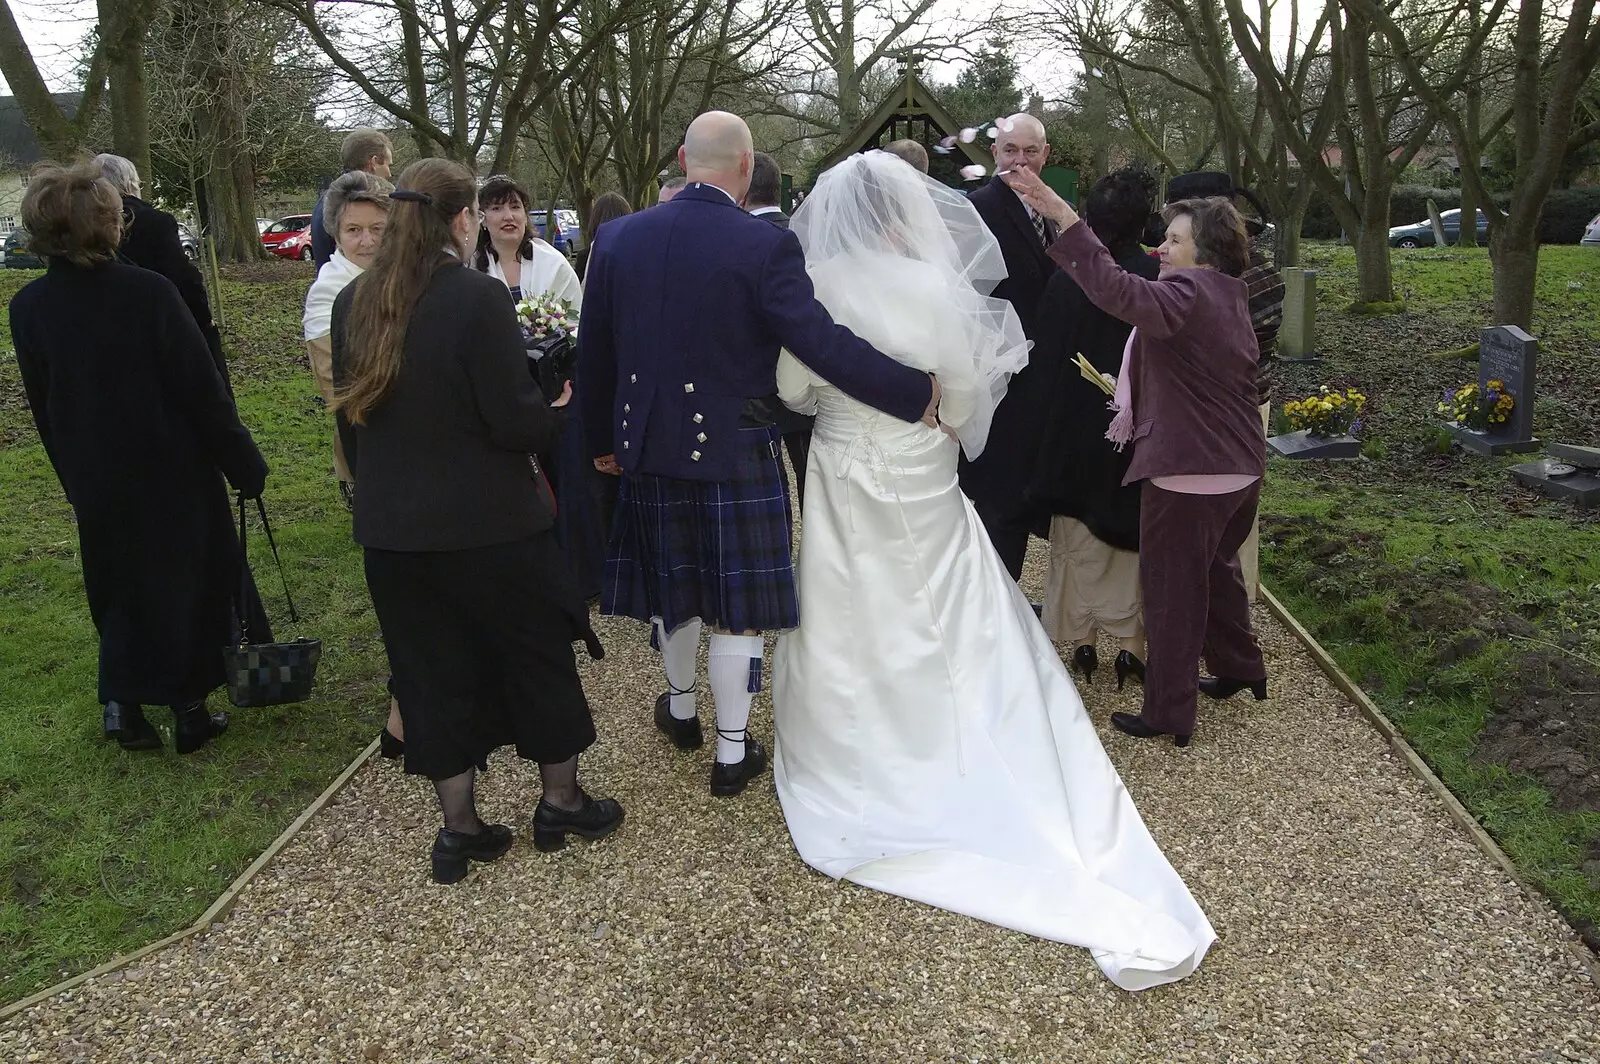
126 724
452 850
1127 665
729 780
1085 659
390 747
685 734
193 727
1134 725
594 819
1220 687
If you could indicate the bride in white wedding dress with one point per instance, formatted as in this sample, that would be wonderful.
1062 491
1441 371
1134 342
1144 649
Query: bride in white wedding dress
929 740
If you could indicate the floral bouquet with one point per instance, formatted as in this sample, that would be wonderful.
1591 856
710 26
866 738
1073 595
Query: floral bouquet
549 326
1327 413
1485 409
544 316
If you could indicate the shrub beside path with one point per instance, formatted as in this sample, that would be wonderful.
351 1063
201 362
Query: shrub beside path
1355 919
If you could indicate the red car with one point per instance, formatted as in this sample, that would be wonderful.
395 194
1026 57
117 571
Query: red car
289 238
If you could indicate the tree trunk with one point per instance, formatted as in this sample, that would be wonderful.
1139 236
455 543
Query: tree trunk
1374 279
124 24
845 72
1288 237
1514 266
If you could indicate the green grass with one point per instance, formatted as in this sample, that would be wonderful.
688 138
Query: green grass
1437 584
102 851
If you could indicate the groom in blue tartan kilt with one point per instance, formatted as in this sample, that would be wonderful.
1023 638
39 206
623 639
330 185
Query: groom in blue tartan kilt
685 309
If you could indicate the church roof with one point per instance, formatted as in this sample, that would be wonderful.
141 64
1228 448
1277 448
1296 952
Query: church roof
911 103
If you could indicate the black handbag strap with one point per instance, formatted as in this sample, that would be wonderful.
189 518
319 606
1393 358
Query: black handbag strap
244 557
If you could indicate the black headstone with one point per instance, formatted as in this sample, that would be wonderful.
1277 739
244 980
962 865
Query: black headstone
1507 354
1304 445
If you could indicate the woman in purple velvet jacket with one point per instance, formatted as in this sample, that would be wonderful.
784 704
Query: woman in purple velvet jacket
1186 400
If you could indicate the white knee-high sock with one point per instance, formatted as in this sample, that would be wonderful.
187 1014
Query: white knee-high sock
735 668
678 653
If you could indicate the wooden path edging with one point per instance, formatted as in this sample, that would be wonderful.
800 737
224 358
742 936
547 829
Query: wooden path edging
1397 742
219 908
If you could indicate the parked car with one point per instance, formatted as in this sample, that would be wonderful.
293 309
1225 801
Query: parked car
289 238
1420 234
1591 233
17 255
190 242
263 224
568 233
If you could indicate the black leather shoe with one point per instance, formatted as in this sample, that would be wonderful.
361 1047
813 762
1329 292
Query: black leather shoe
1127 665
1134 725
390 747
193 727
685 734
453 849
1085 659
1226 687
126 724
594 819
729 780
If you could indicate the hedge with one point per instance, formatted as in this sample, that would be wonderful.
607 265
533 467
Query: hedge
1567 211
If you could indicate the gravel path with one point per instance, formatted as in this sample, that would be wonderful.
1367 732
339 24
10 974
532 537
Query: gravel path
1356 922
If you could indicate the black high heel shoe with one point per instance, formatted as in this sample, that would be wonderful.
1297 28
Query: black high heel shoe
391 748
193 727
126 724
1220 687
1128 665
452 850
1086 660
594 819
1133 724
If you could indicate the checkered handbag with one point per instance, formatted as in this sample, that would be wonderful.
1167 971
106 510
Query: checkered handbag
269 674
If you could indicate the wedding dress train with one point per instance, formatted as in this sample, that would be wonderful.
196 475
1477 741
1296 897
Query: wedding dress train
930 742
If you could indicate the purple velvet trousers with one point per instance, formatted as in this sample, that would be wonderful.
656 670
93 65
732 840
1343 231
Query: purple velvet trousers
1194 597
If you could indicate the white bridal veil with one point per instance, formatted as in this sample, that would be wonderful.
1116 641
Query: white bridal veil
910 259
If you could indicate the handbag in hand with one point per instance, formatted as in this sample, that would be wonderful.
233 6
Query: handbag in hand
552 361
268 674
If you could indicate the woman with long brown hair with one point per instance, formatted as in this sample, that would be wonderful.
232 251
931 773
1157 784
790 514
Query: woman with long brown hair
478 612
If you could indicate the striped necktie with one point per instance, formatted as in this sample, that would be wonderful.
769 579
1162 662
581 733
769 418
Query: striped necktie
1039 227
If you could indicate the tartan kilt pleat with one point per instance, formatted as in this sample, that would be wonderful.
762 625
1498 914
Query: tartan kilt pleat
717 550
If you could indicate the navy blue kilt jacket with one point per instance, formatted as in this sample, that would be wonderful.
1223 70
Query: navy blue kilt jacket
685 309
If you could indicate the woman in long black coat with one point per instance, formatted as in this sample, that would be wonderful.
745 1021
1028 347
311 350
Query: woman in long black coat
1093 580
141 430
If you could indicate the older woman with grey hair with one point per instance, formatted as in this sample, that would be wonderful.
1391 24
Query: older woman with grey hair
355 210
150 240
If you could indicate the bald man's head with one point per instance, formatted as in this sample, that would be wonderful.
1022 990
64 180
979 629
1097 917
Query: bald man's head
1024 147
717 150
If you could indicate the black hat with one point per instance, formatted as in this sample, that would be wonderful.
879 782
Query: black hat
1200 185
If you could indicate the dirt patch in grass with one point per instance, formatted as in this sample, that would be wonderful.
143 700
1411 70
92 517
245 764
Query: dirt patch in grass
1545 721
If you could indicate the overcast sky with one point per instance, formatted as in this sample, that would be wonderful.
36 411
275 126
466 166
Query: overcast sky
54 28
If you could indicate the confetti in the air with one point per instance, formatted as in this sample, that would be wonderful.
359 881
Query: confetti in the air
1005 124
969 135
974 172
945 146
994 134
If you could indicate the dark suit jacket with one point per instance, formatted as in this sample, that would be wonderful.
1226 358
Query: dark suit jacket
322 245
1079 472
443 460
777 218
150 241
998 480
787 420
1194 362
686 309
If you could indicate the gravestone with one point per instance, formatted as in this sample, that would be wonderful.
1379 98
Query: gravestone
1509 355
1297 337
1571 473
1304 445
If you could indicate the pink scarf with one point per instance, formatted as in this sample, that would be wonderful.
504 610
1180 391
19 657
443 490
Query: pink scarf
1121 431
